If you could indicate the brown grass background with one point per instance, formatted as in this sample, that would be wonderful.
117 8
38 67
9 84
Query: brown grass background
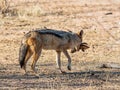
100 20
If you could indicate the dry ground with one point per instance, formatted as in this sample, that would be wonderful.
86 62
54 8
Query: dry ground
100 20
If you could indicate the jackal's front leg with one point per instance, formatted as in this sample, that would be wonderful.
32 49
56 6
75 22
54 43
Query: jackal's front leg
58 61
69 59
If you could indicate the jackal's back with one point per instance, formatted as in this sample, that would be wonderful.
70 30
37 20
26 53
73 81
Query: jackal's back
56 39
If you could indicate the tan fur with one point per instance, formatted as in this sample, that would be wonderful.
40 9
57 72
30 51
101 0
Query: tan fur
50 40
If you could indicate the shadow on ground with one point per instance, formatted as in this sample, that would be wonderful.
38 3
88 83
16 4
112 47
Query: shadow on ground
14 78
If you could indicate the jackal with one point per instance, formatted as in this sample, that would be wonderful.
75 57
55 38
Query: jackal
34 41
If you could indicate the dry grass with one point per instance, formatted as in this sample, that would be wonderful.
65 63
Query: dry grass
100 22
3 6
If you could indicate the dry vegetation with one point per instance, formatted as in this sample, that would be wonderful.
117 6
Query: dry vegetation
100 20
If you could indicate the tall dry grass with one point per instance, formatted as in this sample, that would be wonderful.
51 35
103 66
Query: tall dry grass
5 9
3 6
29 11
20 8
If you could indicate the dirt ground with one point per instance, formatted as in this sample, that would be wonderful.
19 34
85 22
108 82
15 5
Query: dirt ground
100 20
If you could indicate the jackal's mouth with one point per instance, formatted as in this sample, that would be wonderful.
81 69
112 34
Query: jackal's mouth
83 46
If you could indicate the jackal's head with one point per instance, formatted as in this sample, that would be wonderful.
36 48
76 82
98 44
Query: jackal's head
82 46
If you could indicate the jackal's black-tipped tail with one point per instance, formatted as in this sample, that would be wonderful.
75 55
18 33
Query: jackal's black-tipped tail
22 54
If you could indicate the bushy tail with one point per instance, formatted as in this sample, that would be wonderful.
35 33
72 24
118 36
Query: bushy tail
22 54
23 49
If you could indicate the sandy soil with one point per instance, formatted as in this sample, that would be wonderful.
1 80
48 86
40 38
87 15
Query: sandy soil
100 20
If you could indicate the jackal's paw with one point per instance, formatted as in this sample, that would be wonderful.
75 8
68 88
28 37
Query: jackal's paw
63 72
25 74
37 75
69 68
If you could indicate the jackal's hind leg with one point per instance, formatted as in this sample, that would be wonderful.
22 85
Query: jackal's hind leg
58 61
29 54
35 45
69 59
35 58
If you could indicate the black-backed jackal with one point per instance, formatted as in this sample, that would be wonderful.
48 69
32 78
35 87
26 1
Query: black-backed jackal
60 41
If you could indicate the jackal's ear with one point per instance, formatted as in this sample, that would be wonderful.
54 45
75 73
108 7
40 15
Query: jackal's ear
81 33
